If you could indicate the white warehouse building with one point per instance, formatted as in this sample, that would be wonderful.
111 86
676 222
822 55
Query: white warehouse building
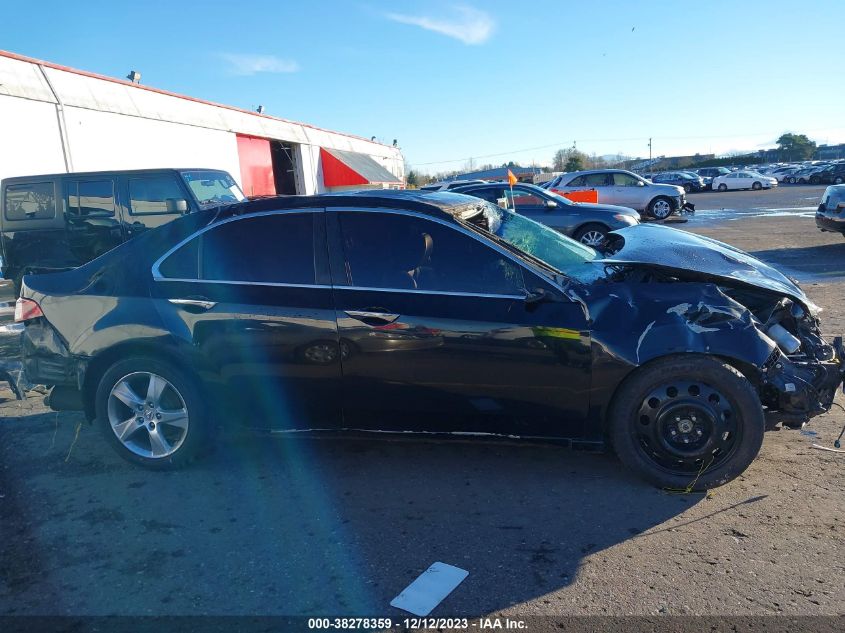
55 119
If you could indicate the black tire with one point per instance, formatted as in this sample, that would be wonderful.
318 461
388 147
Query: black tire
791 180
198 428
661 208
723 187
687 187
590 231
756 186
837 180
646 437
814 180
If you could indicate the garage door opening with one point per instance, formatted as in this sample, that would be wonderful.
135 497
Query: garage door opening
284 167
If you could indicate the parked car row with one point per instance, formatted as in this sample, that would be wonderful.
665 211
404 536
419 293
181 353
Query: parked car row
398 311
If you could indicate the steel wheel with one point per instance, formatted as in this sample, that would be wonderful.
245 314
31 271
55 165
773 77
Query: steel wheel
756 186
723 187
837 180
592 238
686 426
153 425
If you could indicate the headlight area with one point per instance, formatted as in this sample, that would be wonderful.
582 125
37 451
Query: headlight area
800 378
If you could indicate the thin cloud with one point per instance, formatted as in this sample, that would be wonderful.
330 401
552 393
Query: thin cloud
467 24
247 64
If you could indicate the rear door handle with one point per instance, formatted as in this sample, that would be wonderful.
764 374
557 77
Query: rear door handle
194 303
367 315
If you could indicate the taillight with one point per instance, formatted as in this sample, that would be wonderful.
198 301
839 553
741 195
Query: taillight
26 309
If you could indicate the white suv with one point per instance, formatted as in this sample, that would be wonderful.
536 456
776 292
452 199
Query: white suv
625 188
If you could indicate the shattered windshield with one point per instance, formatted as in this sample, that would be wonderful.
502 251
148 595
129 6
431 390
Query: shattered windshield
541 242
213 187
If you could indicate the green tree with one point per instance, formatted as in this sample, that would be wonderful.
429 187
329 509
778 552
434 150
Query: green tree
575 162
559 159
796 146
412 179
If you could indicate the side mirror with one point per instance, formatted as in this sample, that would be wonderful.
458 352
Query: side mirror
551 204
640 183
176 205
537 296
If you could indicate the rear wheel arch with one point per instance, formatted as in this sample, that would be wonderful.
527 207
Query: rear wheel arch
100 364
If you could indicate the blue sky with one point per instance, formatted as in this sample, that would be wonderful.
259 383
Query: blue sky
454 80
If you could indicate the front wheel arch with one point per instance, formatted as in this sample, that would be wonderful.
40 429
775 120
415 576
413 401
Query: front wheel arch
639 430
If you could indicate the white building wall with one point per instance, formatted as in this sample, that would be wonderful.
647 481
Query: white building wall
103 140
29 138
116 125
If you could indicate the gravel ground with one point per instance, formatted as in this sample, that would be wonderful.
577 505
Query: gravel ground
340 525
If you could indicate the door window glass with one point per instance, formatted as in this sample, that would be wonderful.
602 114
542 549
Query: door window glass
155 194
385 250
597 180
30 201
521 198
580 181
263 249
627 180
89 198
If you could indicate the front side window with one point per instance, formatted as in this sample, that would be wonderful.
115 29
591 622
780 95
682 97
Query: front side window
580 181
401 252
627 180
154 194
275 248
30 201
521 198
89 198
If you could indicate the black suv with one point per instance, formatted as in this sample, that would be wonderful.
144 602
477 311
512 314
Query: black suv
60 221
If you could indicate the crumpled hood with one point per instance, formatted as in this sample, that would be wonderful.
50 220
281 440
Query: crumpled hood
674 249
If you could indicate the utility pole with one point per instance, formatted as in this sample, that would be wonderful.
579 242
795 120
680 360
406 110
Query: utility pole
649 150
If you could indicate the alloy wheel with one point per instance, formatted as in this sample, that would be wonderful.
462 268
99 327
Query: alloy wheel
592 238
152 425
661 209
686 427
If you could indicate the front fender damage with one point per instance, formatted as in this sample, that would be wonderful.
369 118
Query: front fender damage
634 323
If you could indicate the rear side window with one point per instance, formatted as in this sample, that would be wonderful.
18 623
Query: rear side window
91 198
400 252
264 249
30 201
154 194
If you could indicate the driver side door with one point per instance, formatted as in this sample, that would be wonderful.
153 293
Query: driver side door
436 334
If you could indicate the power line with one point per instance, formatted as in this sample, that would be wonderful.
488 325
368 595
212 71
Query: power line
606 140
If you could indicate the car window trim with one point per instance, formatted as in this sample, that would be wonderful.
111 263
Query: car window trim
179 184
156 272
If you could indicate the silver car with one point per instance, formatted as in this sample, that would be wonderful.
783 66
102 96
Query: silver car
625 188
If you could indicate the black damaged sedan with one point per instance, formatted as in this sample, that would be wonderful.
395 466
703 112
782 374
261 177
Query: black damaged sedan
397 311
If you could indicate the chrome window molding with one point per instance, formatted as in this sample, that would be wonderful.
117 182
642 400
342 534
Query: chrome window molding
457 226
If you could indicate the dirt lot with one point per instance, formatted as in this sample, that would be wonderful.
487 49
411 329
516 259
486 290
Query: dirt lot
340 526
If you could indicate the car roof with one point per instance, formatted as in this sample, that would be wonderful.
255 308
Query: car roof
116 172
434 203
598 171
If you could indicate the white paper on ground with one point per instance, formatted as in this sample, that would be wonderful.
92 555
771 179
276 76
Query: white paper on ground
429 589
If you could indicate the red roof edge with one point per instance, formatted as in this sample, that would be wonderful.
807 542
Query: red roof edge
85 73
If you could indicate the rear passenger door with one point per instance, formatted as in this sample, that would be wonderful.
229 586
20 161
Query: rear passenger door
251 301
91 212
152 200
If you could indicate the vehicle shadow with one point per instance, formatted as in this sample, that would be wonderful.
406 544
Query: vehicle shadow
821 262
300 526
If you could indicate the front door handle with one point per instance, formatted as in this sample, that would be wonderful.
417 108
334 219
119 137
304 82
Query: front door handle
367 315
194 303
